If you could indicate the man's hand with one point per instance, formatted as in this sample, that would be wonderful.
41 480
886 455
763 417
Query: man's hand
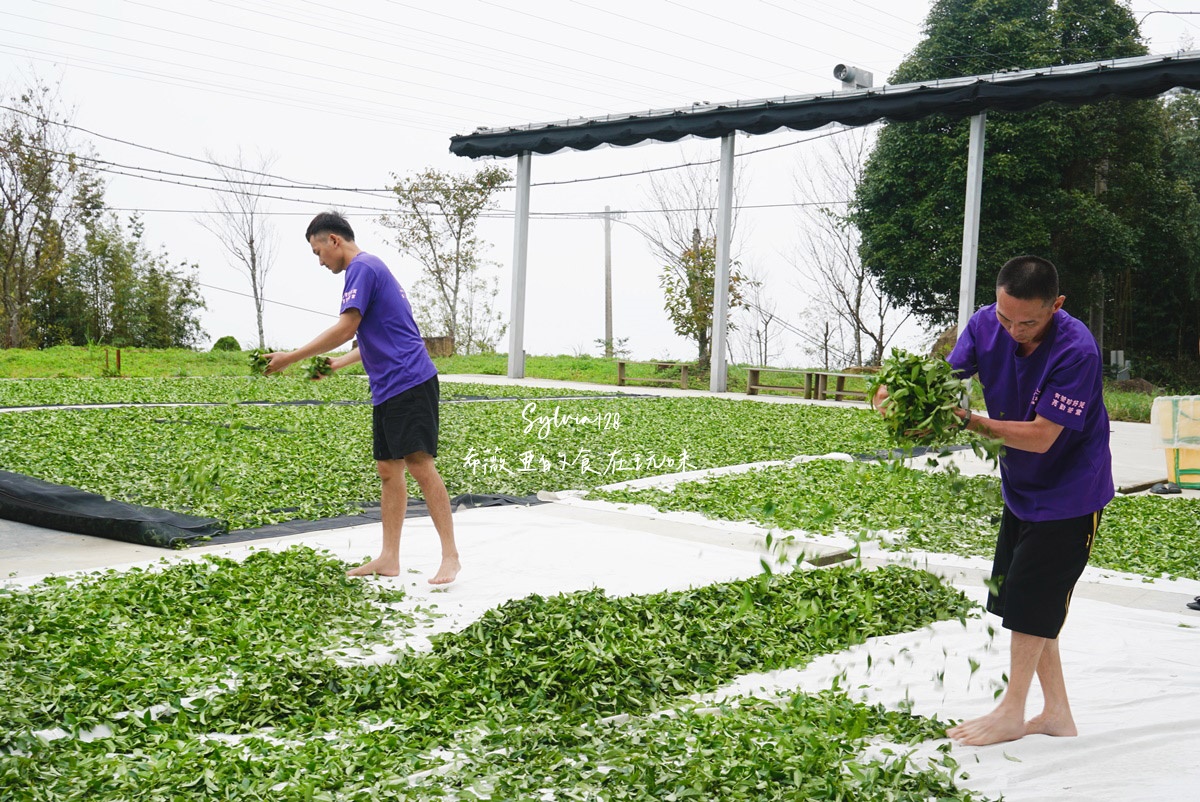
278 361
881 395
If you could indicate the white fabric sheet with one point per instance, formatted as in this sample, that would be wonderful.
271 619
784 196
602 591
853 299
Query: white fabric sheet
1133 674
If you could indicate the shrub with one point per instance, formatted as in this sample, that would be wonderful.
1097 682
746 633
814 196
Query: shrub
227 343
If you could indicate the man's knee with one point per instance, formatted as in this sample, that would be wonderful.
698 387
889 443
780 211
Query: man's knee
389 469
421 466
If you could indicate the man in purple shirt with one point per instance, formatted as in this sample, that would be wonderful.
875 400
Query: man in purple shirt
404 388
1041 374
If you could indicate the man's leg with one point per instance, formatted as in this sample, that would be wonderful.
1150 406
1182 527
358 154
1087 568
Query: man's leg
393 506
1007 721
437 499
1055 718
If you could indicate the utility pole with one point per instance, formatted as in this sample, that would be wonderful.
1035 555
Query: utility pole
608 332
608 216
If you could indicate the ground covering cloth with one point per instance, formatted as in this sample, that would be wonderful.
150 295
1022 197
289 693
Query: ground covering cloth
1131 675
1131 672
69 509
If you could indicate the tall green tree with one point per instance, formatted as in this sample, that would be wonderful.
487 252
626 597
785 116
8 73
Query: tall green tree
113 289
39 175
437 225
1085 187
1175 305
687 284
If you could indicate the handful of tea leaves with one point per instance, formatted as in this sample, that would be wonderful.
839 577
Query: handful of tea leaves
318 367
259 362
922 395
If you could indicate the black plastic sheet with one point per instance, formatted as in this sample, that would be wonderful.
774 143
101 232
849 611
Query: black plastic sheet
69 509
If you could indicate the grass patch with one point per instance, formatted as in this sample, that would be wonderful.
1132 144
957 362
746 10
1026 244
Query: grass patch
70 361
1127 406
234 390
89 362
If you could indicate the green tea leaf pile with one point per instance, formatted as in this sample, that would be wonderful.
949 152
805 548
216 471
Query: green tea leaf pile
550 695
233 390
318 367
273 464
258 361
934 511
923 393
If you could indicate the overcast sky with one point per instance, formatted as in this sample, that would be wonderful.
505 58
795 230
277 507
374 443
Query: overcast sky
344 95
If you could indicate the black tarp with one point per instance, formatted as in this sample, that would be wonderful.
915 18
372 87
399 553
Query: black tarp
69 509
906 103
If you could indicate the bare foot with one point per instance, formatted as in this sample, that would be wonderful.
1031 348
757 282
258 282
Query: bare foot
377 567
1060 725
996 727
446 572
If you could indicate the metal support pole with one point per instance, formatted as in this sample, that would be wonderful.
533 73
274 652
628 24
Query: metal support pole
516 322
719 369
608 329
970 243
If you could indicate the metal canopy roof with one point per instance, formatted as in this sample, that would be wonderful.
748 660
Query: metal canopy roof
1071 85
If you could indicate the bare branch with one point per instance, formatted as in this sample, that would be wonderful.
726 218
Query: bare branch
242 226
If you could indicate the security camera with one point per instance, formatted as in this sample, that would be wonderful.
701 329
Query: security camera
853 77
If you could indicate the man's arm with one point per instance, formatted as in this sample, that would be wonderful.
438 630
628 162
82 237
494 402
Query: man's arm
337 363
1036 435
345 328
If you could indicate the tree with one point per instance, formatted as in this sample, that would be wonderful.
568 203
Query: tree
242 226
168 302
112 289
759 335
684 238
1183 171
39 175
1086 187
436 225
859 318
687 283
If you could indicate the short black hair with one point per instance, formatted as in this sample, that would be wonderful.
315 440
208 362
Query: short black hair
329 223
1029 278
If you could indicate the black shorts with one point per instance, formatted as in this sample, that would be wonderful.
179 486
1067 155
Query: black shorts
1036 567
407 423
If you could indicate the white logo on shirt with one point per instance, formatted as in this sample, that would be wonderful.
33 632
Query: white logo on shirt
1071 406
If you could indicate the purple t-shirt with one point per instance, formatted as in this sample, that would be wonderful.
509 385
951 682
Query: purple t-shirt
392 350
1061 381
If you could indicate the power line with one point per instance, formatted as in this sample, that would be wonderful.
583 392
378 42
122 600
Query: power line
505 214
264 300
259 33
556 45
324 187
621 41
207 86
693 164
415 47
704 42
555 67
162 152
336 96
